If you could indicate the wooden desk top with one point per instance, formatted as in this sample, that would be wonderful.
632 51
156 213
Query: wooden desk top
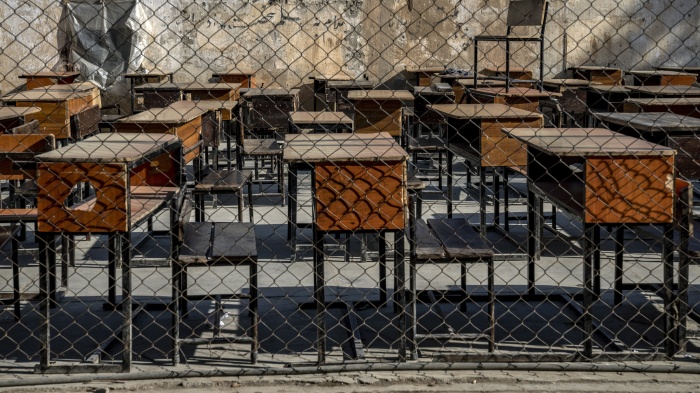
658 72
429 91
690 69
353 147
586 142
556 82
50 74
402 95
234 72
426 69
41 95
502 69
149 74
514 92
182 113
112 148
608 89
667 101
257 92
319 118
594 68
483 111
205 105
71 87
339 76
164 86
221 86
651 121
468 83
352 84
667 91
14 112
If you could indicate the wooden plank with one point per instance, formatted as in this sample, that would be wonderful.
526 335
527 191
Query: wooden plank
302 118
428 247
651 121
460 239
360 195
342 147
234 242
636 190
14 112
662 78
112 147
223 180
18 215
583 142
380 95
197 242
483 111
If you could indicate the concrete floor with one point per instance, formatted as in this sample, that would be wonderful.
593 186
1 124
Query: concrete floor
528 329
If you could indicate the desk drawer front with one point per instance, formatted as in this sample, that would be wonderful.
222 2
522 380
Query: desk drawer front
107 213
635 190
360 196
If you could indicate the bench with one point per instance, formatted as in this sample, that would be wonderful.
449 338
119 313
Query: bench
209 244
450 240
223 182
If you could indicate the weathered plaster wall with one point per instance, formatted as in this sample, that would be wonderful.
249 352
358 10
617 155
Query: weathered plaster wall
290 40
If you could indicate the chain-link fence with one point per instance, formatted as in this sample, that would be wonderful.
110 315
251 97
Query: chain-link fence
224 185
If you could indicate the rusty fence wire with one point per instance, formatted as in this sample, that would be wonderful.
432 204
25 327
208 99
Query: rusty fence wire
211 186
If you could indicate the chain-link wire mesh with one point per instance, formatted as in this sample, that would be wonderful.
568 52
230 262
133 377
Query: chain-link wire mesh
219 185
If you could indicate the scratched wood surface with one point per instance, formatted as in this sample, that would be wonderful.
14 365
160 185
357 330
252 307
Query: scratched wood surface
112 147
483 111
330 118
651 121
360 195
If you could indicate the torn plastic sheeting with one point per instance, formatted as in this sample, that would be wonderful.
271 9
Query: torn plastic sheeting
107 37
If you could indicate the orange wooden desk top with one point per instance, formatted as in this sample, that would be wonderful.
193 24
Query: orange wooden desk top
111 148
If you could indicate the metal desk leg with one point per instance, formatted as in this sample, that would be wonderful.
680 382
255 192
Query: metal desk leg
400 266
125 240
44 239
482 201
450 183
588 251
670 313
319 298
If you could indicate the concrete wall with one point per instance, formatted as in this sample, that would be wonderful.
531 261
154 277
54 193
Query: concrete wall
290 40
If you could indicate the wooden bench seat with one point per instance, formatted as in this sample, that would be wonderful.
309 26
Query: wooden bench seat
11 234
224 182
451 240
208 244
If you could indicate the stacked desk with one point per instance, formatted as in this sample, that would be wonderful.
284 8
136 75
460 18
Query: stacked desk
620 181
573 95
134 177
337 93
321 90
